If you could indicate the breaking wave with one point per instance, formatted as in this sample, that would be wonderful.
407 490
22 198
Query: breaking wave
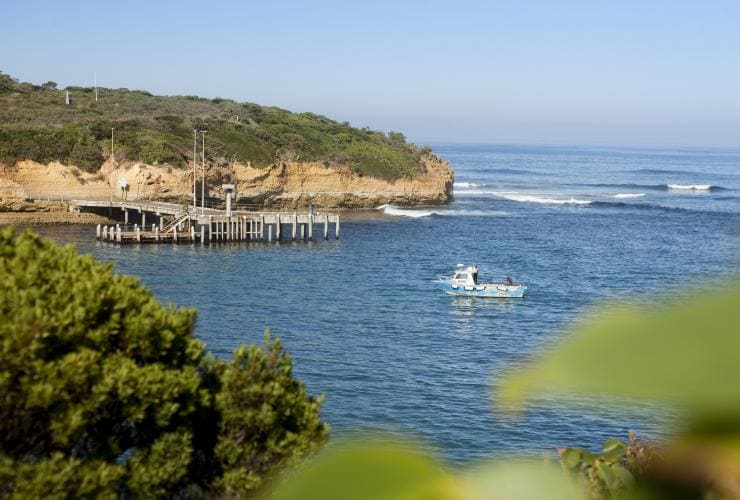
627 195
660 187
465 184
414 213
691 187
529 198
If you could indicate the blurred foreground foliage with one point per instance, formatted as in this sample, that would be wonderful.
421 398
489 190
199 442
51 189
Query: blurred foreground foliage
684 354
104 392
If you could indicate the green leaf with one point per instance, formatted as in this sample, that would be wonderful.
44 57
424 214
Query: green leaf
684 353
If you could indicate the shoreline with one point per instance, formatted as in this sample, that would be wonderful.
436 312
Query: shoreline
51 219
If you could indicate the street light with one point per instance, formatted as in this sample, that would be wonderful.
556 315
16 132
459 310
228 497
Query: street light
203 181
195 143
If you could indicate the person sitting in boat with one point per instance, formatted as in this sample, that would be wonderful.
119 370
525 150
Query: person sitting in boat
509 281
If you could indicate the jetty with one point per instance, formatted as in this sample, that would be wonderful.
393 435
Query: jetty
159 222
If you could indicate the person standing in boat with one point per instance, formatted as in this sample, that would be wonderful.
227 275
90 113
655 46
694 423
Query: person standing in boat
509 281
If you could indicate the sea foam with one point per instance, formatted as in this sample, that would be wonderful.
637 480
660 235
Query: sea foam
463 185
691 187
528 198
628 195
414 213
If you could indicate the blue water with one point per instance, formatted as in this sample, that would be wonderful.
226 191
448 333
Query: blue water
366 327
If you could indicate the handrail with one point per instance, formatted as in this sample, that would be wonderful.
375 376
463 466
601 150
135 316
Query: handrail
178 220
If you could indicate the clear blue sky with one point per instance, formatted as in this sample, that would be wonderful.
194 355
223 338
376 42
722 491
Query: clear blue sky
529 71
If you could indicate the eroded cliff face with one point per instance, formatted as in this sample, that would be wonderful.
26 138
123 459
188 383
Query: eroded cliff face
287 185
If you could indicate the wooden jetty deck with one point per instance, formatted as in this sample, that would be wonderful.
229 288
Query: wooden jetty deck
175 223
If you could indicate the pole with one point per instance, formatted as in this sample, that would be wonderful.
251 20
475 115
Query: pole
203 180
112 162
195 143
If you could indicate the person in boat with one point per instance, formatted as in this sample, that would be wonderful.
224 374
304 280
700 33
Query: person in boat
509 281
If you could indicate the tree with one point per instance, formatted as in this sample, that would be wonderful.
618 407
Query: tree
106 392
50 85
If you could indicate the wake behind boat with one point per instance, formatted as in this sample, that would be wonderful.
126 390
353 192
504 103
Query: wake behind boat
464 281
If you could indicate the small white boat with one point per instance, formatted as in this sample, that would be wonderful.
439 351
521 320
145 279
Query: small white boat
464 281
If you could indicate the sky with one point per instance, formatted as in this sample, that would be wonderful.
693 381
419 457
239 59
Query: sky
628 72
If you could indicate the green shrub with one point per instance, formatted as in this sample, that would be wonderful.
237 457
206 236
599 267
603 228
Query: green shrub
106 392
157 129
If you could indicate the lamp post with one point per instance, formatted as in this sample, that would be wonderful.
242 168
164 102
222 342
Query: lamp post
110 180
195 143
203 181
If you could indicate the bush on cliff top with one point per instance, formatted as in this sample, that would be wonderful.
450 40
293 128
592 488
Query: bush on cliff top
35 124
106 392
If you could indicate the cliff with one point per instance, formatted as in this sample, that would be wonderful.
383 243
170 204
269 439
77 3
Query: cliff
289 184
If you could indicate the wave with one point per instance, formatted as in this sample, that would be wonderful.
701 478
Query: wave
404 212
529 198
465 184
627 195
651 206
658 171
414 213
513 171
691 187
659 187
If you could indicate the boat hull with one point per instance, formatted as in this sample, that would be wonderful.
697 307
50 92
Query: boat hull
489 290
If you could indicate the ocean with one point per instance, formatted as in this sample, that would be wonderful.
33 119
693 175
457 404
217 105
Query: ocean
367 328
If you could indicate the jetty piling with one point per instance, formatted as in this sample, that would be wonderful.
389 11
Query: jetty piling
176 224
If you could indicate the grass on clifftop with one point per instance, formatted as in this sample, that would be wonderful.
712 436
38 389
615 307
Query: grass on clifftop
36 124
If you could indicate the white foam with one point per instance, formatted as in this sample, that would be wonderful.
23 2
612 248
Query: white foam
692 187
628 195
403 212
475 192
408 212
528 198
465 184
473 213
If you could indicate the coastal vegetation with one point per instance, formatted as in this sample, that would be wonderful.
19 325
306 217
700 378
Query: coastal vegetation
105 392
36 124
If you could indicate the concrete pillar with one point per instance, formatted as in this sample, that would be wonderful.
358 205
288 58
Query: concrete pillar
174 234
118 233
156 233
336 231
154 226
262 227
295 225
161 222
105 232
112 233
310 227
97 232
277 228
138 233
125 216
210 228
303 231
269 232
326 227
202 234
192 234
143 219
